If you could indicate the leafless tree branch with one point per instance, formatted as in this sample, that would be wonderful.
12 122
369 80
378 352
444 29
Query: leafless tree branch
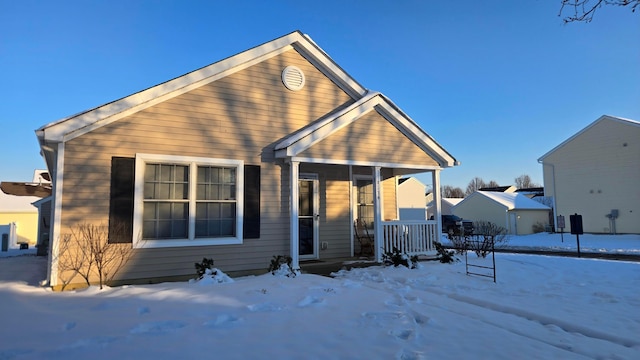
583 10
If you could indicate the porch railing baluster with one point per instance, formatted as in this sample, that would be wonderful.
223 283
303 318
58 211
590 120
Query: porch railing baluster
413 237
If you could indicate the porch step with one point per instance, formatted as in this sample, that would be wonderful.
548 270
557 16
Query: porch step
326 267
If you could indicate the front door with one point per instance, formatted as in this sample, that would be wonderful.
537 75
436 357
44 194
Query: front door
308 216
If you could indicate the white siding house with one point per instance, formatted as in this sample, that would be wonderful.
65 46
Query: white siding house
596 173
411 199
512 211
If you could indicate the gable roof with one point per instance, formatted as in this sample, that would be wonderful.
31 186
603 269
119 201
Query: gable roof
507 188
600 119
510 201
86 121
71 127
300 141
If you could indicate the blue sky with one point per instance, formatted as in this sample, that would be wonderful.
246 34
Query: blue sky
496 83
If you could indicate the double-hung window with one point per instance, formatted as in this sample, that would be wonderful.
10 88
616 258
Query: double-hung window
364 201
187 201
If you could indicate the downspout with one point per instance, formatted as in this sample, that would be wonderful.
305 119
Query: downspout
56 221
553 184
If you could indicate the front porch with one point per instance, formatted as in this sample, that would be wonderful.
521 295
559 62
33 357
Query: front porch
411 237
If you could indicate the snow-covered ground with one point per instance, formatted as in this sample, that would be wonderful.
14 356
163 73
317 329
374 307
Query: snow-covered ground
542 307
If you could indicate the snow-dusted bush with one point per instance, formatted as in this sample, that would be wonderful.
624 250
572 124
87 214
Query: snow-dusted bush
396 258
214 276
202 267
207 274
281 266
444 256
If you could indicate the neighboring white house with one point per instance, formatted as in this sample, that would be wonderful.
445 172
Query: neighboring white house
18 220
411 199
446 205
18 215
513 211
596 173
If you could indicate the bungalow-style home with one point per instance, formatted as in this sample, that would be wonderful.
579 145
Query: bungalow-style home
273 151
411 199
515 212
595 173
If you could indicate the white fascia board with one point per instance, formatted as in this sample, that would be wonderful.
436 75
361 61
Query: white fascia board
68 129
601 118
319 133
330 68
297 137
409 128
77 125
363 163
297 143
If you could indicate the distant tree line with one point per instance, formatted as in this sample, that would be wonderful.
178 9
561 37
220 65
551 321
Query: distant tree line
521 182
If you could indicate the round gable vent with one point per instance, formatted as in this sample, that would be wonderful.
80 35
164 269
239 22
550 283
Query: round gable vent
293 78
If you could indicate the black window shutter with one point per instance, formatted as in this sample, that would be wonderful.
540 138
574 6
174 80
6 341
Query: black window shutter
251 224
121 200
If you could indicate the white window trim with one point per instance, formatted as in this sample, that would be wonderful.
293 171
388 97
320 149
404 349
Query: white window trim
192 162
355 194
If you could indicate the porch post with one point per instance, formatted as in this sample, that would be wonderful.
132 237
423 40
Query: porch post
377 214
294 167
435 180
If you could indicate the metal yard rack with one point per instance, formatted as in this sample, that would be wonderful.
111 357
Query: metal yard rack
485 245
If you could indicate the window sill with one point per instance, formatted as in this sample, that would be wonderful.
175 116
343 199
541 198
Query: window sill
151 244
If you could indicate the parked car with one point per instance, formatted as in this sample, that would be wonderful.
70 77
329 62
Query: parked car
451 225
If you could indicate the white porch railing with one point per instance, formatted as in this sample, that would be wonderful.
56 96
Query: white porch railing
413 237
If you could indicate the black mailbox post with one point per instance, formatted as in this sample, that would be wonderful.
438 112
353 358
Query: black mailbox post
576 228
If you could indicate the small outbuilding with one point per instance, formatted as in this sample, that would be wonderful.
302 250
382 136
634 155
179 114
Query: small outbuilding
513 211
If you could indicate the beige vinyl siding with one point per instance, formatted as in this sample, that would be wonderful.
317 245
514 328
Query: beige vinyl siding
370 138
594 173
527 219
481 208
240 117
390 199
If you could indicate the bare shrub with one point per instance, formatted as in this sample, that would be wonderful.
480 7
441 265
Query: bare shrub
488 235
537 227
86 251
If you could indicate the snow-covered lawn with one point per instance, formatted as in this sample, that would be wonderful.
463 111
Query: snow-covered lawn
541 307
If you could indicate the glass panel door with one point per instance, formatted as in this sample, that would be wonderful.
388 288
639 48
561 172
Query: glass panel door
308 217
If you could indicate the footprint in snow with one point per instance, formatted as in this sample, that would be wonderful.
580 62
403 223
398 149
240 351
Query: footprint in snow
157 327
605 297
224 320
422 320
411 355
384 318
310 301
68 326
143 310
265 307
99 342
403 334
